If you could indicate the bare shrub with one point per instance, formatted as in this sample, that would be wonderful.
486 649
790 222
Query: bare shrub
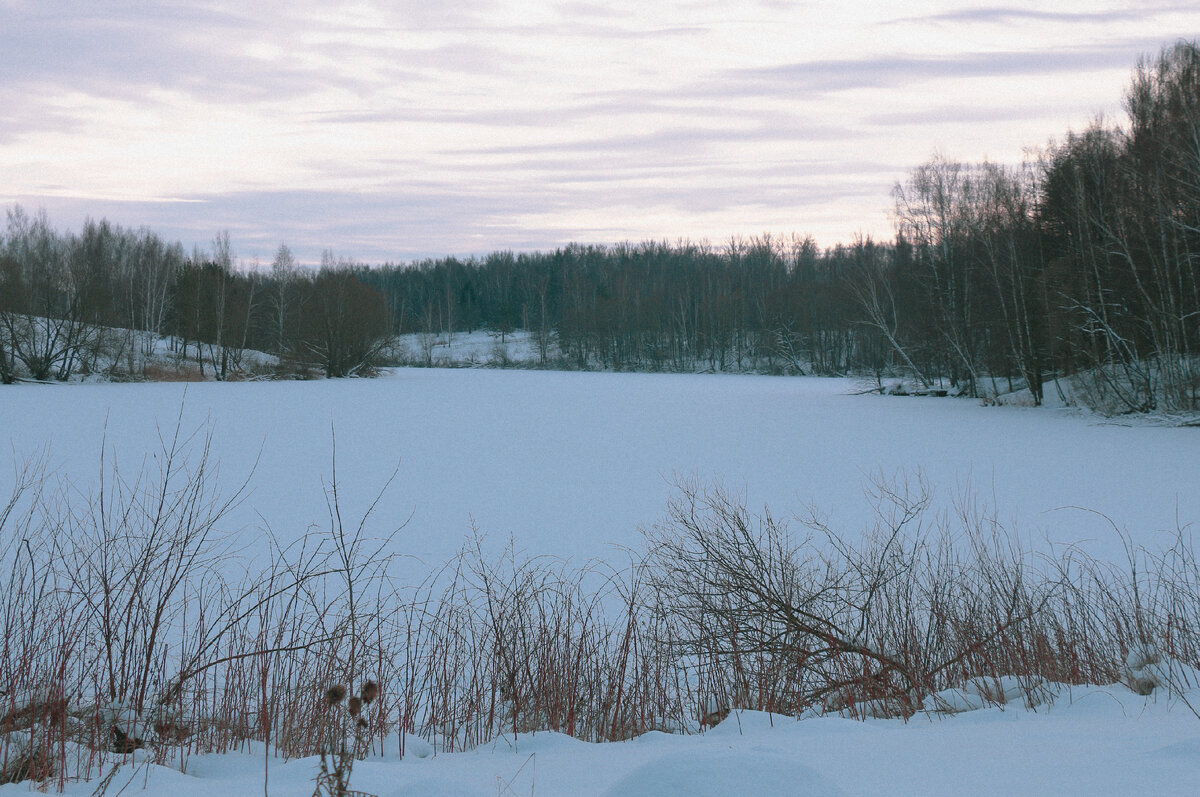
122 631
511 644
819 621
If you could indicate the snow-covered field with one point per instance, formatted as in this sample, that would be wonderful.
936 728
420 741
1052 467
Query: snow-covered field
571 464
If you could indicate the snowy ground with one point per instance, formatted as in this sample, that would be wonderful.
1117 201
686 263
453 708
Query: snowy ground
572 463
1091 741
468 349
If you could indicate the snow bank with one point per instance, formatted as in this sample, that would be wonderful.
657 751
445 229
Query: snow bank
1090 740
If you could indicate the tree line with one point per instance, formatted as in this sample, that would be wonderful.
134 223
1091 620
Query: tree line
107 299
1078 265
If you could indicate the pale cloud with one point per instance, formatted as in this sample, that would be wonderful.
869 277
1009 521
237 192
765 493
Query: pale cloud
904 70
1017 15
389 130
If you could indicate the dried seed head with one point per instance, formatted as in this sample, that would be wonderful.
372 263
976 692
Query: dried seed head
57 713
1142 685
362 723
370 691
354 706
335 694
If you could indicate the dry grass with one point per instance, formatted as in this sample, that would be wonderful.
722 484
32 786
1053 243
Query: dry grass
183 372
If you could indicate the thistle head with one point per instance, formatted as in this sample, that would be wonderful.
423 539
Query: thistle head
370 691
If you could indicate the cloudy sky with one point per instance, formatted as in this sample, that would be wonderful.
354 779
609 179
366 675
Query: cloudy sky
402 129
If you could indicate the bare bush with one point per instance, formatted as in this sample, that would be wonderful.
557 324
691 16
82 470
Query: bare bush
512 644
820 621
123 630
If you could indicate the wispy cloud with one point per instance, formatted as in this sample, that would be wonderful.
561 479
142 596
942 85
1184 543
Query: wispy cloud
906 70
673 139
226 53
394 129
1014 14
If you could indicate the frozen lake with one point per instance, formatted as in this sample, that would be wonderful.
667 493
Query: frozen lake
572 464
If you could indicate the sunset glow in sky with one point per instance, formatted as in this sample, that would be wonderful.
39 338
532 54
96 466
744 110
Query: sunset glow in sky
396 130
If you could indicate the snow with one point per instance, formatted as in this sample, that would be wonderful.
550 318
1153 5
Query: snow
722 772
467 349
1089 740
571 464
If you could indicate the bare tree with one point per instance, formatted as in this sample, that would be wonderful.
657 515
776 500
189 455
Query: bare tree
282 298
45 323
932 214
346 323
871 285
